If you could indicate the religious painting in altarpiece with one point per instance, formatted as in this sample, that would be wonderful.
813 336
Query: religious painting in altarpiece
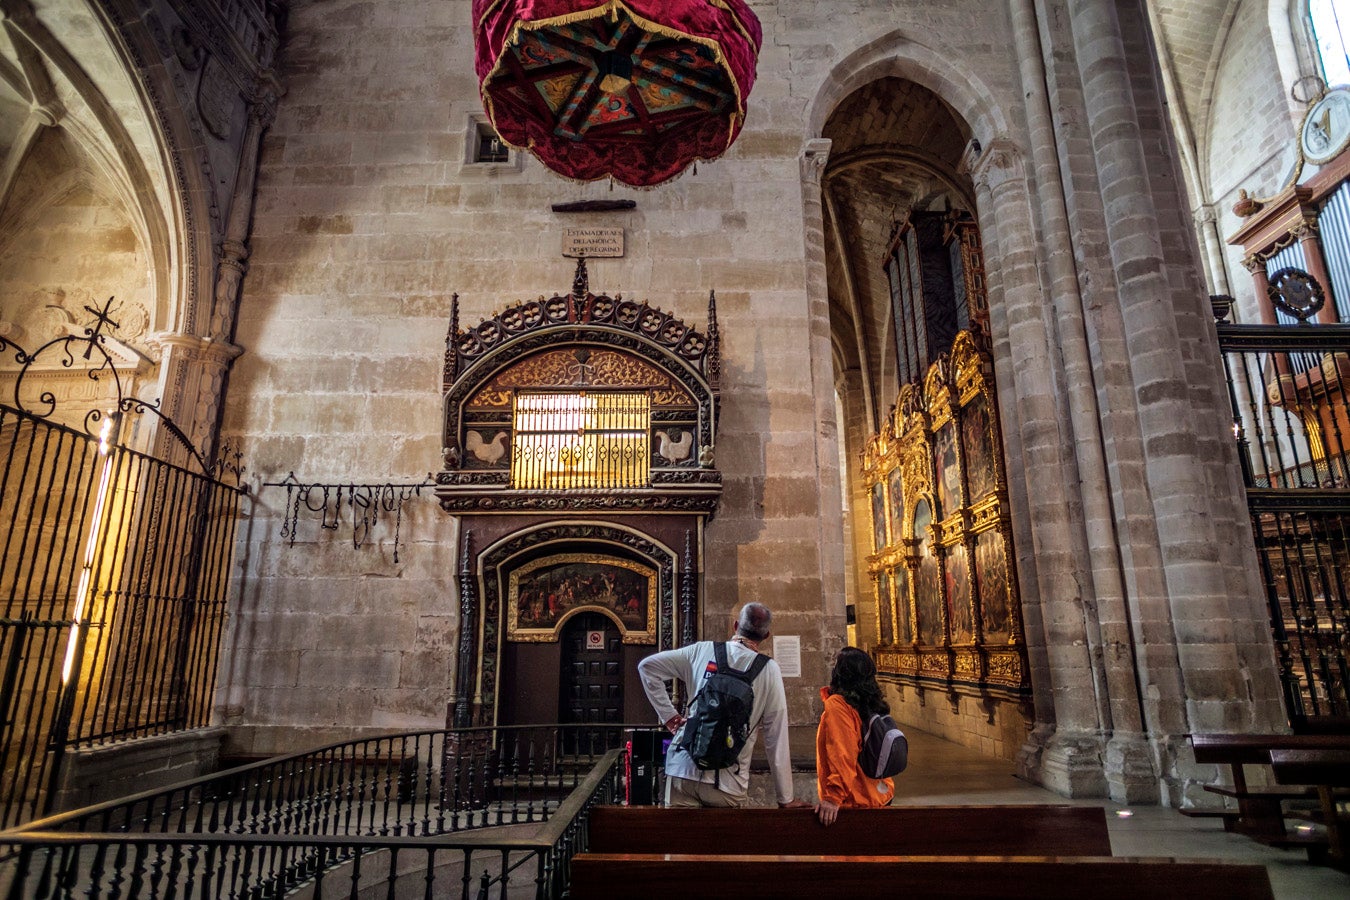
942 572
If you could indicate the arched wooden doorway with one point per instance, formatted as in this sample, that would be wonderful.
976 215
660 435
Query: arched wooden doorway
591 678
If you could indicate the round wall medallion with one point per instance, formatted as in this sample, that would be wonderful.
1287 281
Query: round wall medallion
1325 131
1297 293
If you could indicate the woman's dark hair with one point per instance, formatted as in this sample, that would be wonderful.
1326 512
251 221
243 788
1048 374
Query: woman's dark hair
855 679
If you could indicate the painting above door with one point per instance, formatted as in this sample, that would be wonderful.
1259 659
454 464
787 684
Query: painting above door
545 593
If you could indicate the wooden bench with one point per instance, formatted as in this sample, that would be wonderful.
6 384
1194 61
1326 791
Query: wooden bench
1260 812
1031 830
599 875
1328 770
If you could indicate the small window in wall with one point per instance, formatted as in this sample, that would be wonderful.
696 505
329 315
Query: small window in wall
486 155
1331 30
582 439
936 286
489 148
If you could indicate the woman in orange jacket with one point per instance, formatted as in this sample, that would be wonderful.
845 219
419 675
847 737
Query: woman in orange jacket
852 698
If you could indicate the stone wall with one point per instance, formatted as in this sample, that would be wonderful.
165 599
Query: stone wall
995 728
368 217
98 774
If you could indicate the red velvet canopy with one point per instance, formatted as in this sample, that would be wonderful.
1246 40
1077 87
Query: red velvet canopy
633 89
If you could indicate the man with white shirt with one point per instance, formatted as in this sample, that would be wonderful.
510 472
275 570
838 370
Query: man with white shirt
686 783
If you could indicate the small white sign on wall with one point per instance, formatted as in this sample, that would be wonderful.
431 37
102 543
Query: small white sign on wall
592 243
595 640
787 649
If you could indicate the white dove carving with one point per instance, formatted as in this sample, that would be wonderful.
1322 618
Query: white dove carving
486 451
674 451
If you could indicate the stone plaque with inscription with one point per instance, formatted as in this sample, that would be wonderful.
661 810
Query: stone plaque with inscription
592 242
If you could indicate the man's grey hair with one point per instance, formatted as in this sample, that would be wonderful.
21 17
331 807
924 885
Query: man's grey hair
753 622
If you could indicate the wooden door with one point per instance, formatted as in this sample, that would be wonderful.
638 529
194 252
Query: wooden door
592 674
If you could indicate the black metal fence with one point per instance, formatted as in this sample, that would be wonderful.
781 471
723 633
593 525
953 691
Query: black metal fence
113 575
416 814
1291 421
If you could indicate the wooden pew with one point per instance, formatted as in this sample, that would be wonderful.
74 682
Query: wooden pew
1031 830
1327 770
1260 813
597 875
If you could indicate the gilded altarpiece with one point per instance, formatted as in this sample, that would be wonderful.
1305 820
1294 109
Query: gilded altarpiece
942 562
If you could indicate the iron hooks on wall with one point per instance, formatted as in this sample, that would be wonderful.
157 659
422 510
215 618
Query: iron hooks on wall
363 503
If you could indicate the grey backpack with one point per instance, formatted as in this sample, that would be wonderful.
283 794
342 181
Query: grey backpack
885 752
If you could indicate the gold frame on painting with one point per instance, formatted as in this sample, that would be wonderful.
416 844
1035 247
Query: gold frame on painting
524 633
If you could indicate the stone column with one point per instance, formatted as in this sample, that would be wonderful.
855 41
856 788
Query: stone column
815 154
234 249
1040 713
1220 678
1129 770
197 367
193 395
1207 224
849 385
1067 747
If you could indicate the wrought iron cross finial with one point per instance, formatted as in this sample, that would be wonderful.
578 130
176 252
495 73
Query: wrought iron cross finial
581 281
101 318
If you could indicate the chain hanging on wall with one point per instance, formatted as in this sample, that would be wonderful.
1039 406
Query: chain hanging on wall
363 502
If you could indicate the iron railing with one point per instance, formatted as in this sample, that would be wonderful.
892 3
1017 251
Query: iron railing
1291 422
114 570
370 817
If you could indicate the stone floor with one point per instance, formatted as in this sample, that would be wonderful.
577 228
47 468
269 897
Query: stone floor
943 773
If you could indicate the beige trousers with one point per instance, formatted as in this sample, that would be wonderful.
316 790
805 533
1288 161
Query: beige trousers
683 792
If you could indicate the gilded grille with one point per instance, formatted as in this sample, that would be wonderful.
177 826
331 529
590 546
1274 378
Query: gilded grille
583 439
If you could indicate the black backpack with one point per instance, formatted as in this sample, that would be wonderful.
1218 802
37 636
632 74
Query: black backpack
719 718
885 751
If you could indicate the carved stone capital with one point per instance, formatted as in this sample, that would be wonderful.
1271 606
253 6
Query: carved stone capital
996 165
970 157
815 155
233 253
50 113
262 109
1204 215
193 347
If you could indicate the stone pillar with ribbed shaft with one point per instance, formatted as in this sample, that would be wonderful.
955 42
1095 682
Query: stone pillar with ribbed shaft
815 154
1128 763
1199 624
1067 744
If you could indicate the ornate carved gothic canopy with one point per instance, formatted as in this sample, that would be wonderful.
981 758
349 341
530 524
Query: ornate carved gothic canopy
581 402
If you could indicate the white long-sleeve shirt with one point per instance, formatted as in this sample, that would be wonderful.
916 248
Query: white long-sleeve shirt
767 714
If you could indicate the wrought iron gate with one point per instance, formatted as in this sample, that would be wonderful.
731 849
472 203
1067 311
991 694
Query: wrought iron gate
113 580
1291 421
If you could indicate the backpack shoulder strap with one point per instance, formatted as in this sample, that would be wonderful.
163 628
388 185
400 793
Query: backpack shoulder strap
756 667
720 655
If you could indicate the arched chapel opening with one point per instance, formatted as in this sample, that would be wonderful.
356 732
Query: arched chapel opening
934 584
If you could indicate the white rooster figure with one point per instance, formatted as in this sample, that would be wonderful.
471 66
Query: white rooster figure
674 450
486 451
